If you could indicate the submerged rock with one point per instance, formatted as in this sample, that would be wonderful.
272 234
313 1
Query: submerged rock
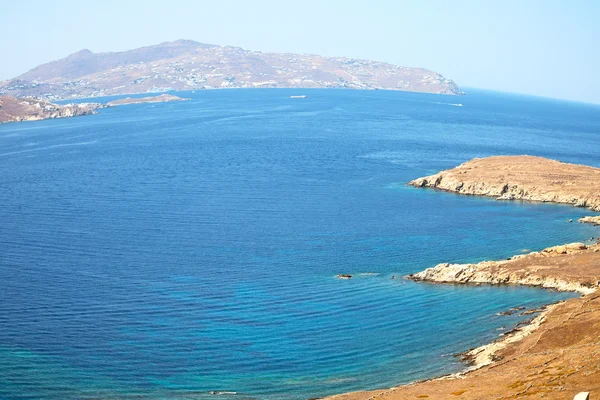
511 311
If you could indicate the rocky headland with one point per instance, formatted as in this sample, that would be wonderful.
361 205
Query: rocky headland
579 272
13 109
555 355
521 178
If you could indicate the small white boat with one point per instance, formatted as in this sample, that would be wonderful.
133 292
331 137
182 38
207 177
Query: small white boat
298 97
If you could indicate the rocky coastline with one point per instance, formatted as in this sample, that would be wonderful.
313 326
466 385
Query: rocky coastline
13 109
542 269
555 354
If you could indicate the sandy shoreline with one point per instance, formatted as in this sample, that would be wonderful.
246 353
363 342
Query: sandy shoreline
557 354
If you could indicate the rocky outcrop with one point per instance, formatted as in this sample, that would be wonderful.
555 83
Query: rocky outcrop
16 110
546 269
554 357
481 274
487 354
521 178
554 346
13 109
590 220
565 248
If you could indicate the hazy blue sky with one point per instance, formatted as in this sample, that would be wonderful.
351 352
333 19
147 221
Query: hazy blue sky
545 48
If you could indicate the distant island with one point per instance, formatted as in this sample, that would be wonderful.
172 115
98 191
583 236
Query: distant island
189 65
163 98
13 109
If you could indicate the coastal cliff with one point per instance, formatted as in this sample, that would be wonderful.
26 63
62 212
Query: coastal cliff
521 178
555 355
16 110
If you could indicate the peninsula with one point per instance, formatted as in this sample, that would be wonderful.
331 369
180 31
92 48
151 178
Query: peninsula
555 356
521 178
16 110
189 65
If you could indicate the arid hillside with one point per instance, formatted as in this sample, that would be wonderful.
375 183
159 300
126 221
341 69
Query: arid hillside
189 65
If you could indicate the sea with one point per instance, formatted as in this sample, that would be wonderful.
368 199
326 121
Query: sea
188 250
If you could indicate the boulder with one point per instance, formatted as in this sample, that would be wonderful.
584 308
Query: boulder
576 246
565 248
556 249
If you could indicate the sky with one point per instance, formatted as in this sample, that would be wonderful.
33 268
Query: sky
545 48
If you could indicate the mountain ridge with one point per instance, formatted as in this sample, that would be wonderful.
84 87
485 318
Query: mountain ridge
103 58
190 65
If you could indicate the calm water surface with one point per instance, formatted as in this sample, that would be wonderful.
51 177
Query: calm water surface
163 251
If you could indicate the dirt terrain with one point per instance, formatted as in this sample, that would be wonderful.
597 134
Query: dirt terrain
571 267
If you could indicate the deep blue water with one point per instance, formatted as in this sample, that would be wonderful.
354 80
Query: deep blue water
164 251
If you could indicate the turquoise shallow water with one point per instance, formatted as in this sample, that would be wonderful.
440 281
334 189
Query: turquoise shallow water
164 251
